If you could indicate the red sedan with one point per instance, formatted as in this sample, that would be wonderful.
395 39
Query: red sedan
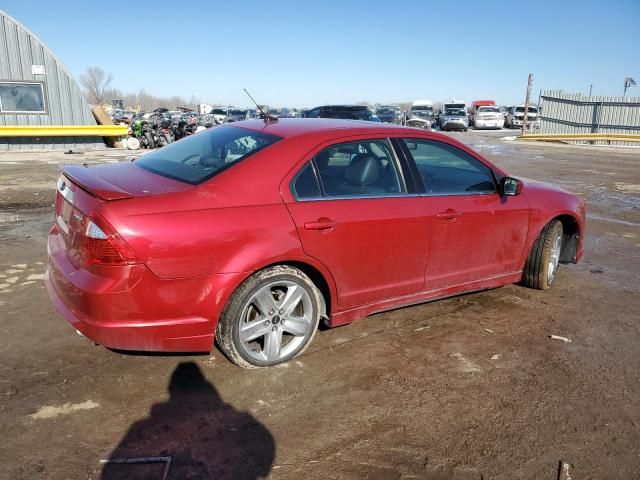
253 233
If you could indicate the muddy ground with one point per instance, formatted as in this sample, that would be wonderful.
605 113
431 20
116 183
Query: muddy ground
466 388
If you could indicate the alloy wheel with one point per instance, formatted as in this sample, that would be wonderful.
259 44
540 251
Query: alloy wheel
275 321
554 258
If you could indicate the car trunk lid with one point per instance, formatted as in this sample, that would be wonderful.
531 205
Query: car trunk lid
81 191
119 181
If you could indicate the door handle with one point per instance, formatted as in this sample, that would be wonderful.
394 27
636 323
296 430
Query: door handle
448 214
320 224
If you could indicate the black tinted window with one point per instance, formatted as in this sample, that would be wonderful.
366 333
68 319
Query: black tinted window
362 168
199 157
448 170
315 113
305 184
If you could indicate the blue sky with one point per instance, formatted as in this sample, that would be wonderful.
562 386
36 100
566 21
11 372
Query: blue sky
306 53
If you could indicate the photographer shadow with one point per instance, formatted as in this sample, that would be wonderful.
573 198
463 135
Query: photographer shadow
204 436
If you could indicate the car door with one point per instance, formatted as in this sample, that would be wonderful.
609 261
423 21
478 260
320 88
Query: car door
356 213
475 232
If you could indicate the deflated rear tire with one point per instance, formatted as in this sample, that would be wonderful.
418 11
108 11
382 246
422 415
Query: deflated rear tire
542 265
270 318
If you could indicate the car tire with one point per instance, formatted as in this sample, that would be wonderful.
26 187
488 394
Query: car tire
543 261
242 317
149 140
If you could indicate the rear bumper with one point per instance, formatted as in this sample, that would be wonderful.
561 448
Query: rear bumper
128 308
176 335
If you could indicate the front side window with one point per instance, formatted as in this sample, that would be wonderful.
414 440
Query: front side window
447 170
361 168
199 157
22 97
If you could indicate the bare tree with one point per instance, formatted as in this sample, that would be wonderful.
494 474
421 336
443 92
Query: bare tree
96 83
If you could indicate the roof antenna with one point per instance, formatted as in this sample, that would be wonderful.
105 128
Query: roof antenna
264 115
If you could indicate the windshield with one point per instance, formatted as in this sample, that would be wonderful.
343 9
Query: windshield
531 110
199 157
423 108
488 109
385 111
237 112
455 113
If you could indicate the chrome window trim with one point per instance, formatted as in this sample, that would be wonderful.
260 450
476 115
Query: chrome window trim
356 197
381 197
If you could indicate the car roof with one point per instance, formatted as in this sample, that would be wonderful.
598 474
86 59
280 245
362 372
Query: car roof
291 127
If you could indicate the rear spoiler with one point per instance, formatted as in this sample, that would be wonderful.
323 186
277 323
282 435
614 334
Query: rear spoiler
93 183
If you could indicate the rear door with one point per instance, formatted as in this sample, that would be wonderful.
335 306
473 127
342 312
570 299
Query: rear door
475 232
356 213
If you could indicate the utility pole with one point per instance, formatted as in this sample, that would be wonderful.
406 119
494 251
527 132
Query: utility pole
590 90
526 104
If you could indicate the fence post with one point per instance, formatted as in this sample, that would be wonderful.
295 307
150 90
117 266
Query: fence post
526 104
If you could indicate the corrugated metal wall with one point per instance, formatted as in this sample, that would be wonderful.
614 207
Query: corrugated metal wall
19 50
577 113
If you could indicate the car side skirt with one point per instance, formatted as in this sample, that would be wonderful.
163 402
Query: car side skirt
348 316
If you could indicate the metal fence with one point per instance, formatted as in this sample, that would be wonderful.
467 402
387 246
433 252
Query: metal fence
574 113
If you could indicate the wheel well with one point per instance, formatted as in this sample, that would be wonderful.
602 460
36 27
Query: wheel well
570 238
316 277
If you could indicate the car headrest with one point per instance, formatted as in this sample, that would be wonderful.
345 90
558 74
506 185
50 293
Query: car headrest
362 171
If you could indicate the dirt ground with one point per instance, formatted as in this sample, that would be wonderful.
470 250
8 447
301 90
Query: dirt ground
467 388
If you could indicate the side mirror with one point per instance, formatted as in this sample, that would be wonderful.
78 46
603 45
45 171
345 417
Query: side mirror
510 186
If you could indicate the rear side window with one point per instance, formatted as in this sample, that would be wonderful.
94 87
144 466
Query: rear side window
365 168
447 170
199 157
305 184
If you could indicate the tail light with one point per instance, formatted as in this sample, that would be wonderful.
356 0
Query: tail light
102 245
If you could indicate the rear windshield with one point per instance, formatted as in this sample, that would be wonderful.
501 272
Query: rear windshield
199 157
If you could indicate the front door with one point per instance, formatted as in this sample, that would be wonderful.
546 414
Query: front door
475 232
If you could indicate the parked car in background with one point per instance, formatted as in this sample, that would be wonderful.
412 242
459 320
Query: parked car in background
235 115
386 114
488 117
420 115
454 119
253 232
474 107
345 112
515 116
